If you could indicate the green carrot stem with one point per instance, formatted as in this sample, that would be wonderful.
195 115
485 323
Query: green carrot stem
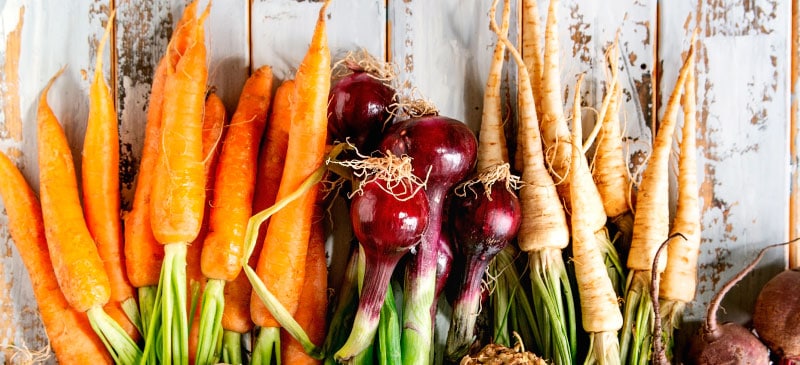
119 344
269 339
232 347
345 310
210 330
282 315
147 301
131 309
173 310
150 305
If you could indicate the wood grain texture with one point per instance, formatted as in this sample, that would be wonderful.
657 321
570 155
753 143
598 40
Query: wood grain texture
794 133
281 31
743 167
586 30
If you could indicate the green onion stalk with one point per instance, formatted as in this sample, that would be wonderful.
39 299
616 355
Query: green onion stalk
388 337
345 309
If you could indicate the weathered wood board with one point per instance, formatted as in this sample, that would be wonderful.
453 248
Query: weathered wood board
442 49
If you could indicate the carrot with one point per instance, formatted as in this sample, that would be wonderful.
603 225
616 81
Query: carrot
231 208
679 279
143 254
272 154
492 145
600 313
314 296
214 119
213 122
76 262
68 330
100 183
178 192
280 265
543 232
650 229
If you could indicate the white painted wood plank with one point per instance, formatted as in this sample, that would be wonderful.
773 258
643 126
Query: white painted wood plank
743 122
53 35
446 62
281 31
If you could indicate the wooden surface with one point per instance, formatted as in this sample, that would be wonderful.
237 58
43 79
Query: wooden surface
747 135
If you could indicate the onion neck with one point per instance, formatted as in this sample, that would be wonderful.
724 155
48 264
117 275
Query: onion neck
466 309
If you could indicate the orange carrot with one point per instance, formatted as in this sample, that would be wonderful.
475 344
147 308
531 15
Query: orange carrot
235 180
68 330
178 191
281 262
143 254
231 208
100 183
272 156
214 118
76 262
213 123
314 296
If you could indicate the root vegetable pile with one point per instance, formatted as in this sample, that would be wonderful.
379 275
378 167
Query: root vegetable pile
225 251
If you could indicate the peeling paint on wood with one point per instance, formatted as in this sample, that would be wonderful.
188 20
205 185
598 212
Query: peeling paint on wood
12 123
794 147
743 120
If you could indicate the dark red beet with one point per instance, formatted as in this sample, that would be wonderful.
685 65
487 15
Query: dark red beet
482 225
776 316
358 109
729 343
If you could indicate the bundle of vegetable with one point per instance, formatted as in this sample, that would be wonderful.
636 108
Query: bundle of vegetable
543 232
443 152
178 190
231 207
651 227
729 343
385 236
679 279
280 263
68 330
77 265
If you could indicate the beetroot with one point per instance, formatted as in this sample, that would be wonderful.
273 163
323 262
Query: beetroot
729 343
777 315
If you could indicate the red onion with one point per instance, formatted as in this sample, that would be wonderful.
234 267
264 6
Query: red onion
443 152
482 224
358 109
387 220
